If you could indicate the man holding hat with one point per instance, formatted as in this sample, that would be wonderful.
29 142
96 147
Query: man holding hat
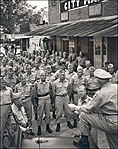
100 112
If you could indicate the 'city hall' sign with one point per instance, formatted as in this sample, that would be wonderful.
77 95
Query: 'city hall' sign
71 4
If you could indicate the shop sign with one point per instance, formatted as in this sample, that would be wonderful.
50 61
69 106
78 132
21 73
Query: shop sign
71 4
71 44
64 16
95 10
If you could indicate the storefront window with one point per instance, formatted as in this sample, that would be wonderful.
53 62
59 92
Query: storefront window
104 47
97 50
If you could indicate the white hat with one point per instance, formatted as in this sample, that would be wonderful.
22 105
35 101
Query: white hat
102 74
110 65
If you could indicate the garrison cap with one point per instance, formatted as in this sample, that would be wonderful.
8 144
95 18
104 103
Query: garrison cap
110 66
79 68
92 68
102 74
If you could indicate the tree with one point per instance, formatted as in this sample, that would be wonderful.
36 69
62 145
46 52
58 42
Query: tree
16 12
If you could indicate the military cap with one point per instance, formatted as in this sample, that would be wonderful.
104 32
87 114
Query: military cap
110 66
61 71
102 74
79 68
92 68
9 68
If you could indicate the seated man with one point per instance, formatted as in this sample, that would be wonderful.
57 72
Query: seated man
100 112
20 116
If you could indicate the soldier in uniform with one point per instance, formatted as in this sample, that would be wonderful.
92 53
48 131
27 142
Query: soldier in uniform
101 112
3 68
62 100
69 76
30 77
11 79
77 81
5 92
50 78
25 88
92 84
42 88
111 70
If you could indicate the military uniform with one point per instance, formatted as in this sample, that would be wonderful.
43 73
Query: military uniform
61 102
105 118
76 83
11 82
6 96
25 90
44 101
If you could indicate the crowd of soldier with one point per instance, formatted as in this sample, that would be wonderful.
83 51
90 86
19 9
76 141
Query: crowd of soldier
48 84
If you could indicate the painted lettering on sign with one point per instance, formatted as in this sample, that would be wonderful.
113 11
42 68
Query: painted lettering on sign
71 4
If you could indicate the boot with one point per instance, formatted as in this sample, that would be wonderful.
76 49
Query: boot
36 116
81 142
39 130
75 123
54 115
58 127
69 125
48 128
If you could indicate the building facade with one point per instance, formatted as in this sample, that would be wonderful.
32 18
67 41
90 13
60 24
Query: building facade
99 45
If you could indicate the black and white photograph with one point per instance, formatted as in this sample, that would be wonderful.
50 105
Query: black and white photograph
58 74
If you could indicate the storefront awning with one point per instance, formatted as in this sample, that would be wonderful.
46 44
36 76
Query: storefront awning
101 26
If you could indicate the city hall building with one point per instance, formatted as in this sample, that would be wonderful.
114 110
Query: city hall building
89 26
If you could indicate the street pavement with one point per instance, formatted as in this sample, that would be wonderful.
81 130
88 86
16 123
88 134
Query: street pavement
66 132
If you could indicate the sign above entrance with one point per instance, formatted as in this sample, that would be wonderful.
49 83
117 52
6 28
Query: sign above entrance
71 4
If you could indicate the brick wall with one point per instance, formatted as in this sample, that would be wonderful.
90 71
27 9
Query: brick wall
53 14
109 8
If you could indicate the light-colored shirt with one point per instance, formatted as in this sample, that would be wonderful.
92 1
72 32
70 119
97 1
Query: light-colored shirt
6 96
11 82
77 82
25 90
105 100
60 88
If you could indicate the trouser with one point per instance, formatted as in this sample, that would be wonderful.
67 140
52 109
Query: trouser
53 104
35 104
62 106
44 105
76 97
28 109
99 122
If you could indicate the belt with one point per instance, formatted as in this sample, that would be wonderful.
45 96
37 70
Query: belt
5 104
62 95
43 95
26 97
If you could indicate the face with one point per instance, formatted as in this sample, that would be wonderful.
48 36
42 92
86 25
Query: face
80 73
80 53
43 76
91 72
102 82
70 69
36 65
10 72
62 75
82 92
49 70
23 81
2 84
63 66
28 69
